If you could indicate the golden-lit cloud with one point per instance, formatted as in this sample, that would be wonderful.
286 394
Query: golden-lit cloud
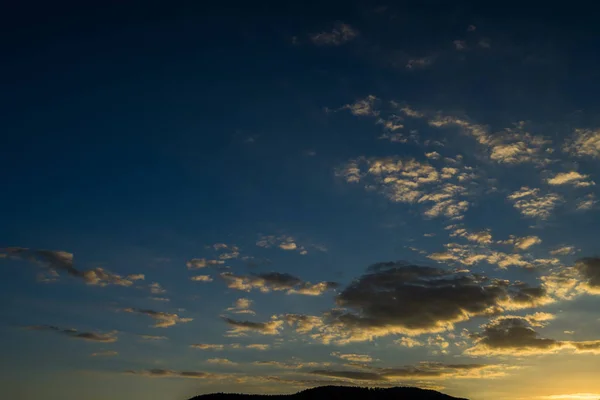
573 178
54 261
221 361
162 319
275 281
197 263
584 143
107 353
359 358
242 306
531 203
201 278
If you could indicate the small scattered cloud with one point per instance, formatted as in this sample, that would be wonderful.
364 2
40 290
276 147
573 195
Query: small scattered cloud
206 346
256 346
166 373
408 342
531 203
221 361
341 33
242 306
359 358
197 263
522 243
153 337
584 143
588 202
460 45
563 251
241 328
162 319
573 178
201 278
275 281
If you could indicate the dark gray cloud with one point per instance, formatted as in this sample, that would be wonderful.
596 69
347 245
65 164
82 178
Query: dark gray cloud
399 298
109 337
589 269
416 372
167 373
240 328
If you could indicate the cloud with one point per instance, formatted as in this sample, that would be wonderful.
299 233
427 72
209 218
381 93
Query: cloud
228 251
155 288
482 237
511 146
242 306
515 336
532 204
419 62
584 143
201 278
205 346
340 33
240 328
108 337
408 342
522 243
54 261
163 319
153 337
108 353
420 371
399 298
360 358
569 282
275 281
460 45
587 202
410 181
571 178
164 299
197 263
221 361
256 346
166 373
284 242
563 251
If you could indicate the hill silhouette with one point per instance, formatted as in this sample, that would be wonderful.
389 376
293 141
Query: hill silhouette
340 393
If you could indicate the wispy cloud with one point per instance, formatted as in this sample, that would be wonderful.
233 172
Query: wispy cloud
162 319
108 337
340 33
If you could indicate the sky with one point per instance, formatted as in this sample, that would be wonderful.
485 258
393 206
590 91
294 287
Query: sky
266 197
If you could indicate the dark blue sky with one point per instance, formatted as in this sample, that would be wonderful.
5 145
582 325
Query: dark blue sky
228 173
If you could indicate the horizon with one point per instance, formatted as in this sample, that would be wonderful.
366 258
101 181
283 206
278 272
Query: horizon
262 198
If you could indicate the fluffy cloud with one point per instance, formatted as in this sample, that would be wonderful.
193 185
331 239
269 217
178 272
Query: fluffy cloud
242 306
398 298
522 243
413 182
408 342
54 261
571 178
241 328
482 237
197 263
275 281
109 337
340 33
162 319
584 143
155 288
228 251
532 204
